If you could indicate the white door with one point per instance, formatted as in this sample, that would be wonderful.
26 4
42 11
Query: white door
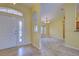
11 31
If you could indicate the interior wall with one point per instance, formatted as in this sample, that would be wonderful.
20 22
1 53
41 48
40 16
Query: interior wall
27 15
47 30
71 36
36 35
56 27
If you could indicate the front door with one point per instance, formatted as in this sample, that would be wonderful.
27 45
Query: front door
11 31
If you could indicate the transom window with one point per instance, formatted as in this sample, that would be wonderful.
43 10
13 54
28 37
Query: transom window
11 11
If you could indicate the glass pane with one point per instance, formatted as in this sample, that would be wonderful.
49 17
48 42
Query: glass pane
11 11
20 31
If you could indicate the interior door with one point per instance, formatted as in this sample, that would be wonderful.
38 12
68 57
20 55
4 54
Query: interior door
10 31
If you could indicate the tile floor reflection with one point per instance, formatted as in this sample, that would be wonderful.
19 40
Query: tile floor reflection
49 47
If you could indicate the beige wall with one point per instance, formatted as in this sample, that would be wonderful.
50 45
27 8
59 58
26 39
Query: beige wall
71 37
56 27
27 15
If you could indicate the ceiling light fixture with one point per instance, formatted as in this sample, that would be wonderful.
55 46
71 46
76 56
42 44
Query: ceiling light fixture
46 20
14 3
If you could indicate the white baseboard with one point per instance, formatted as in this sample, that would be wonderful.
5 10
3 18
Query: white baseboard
36 46
69 46
27 43
16 46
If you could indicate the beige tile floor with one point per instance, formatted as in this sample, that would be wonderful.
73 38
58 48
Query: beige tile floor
49 47
56 47
27 50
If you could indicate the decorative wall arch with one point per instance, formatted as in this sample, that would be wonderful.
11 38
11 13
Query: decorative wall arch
10 11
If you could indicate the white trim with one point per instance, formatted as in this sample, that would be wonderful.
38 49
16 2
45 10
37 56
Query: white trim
24 44
16 46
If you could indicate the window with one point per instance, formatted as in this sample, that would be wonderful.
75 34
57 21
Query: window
20 31
35 28
41 29
11 11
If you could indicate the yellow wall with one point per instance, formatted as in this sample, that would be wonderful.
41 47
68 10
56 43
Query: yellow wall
36 35
56 27
27 14
71 37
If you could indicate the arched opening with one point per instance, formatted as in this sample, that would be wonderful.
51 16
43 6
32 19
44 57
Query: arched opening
12 28
10 11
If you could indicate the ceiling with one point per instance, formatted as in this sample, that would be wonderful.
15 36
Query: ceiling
49 10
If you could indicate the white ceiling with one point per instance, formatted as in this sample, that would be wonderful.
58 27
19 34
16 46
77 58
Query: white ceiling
49 10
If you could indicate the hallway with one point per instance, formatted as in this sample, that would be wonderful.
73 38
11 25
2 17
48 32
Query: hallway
25 29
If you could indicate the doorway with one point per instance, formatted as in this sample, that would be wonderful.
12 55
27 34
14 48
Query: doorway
11 31
64 29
